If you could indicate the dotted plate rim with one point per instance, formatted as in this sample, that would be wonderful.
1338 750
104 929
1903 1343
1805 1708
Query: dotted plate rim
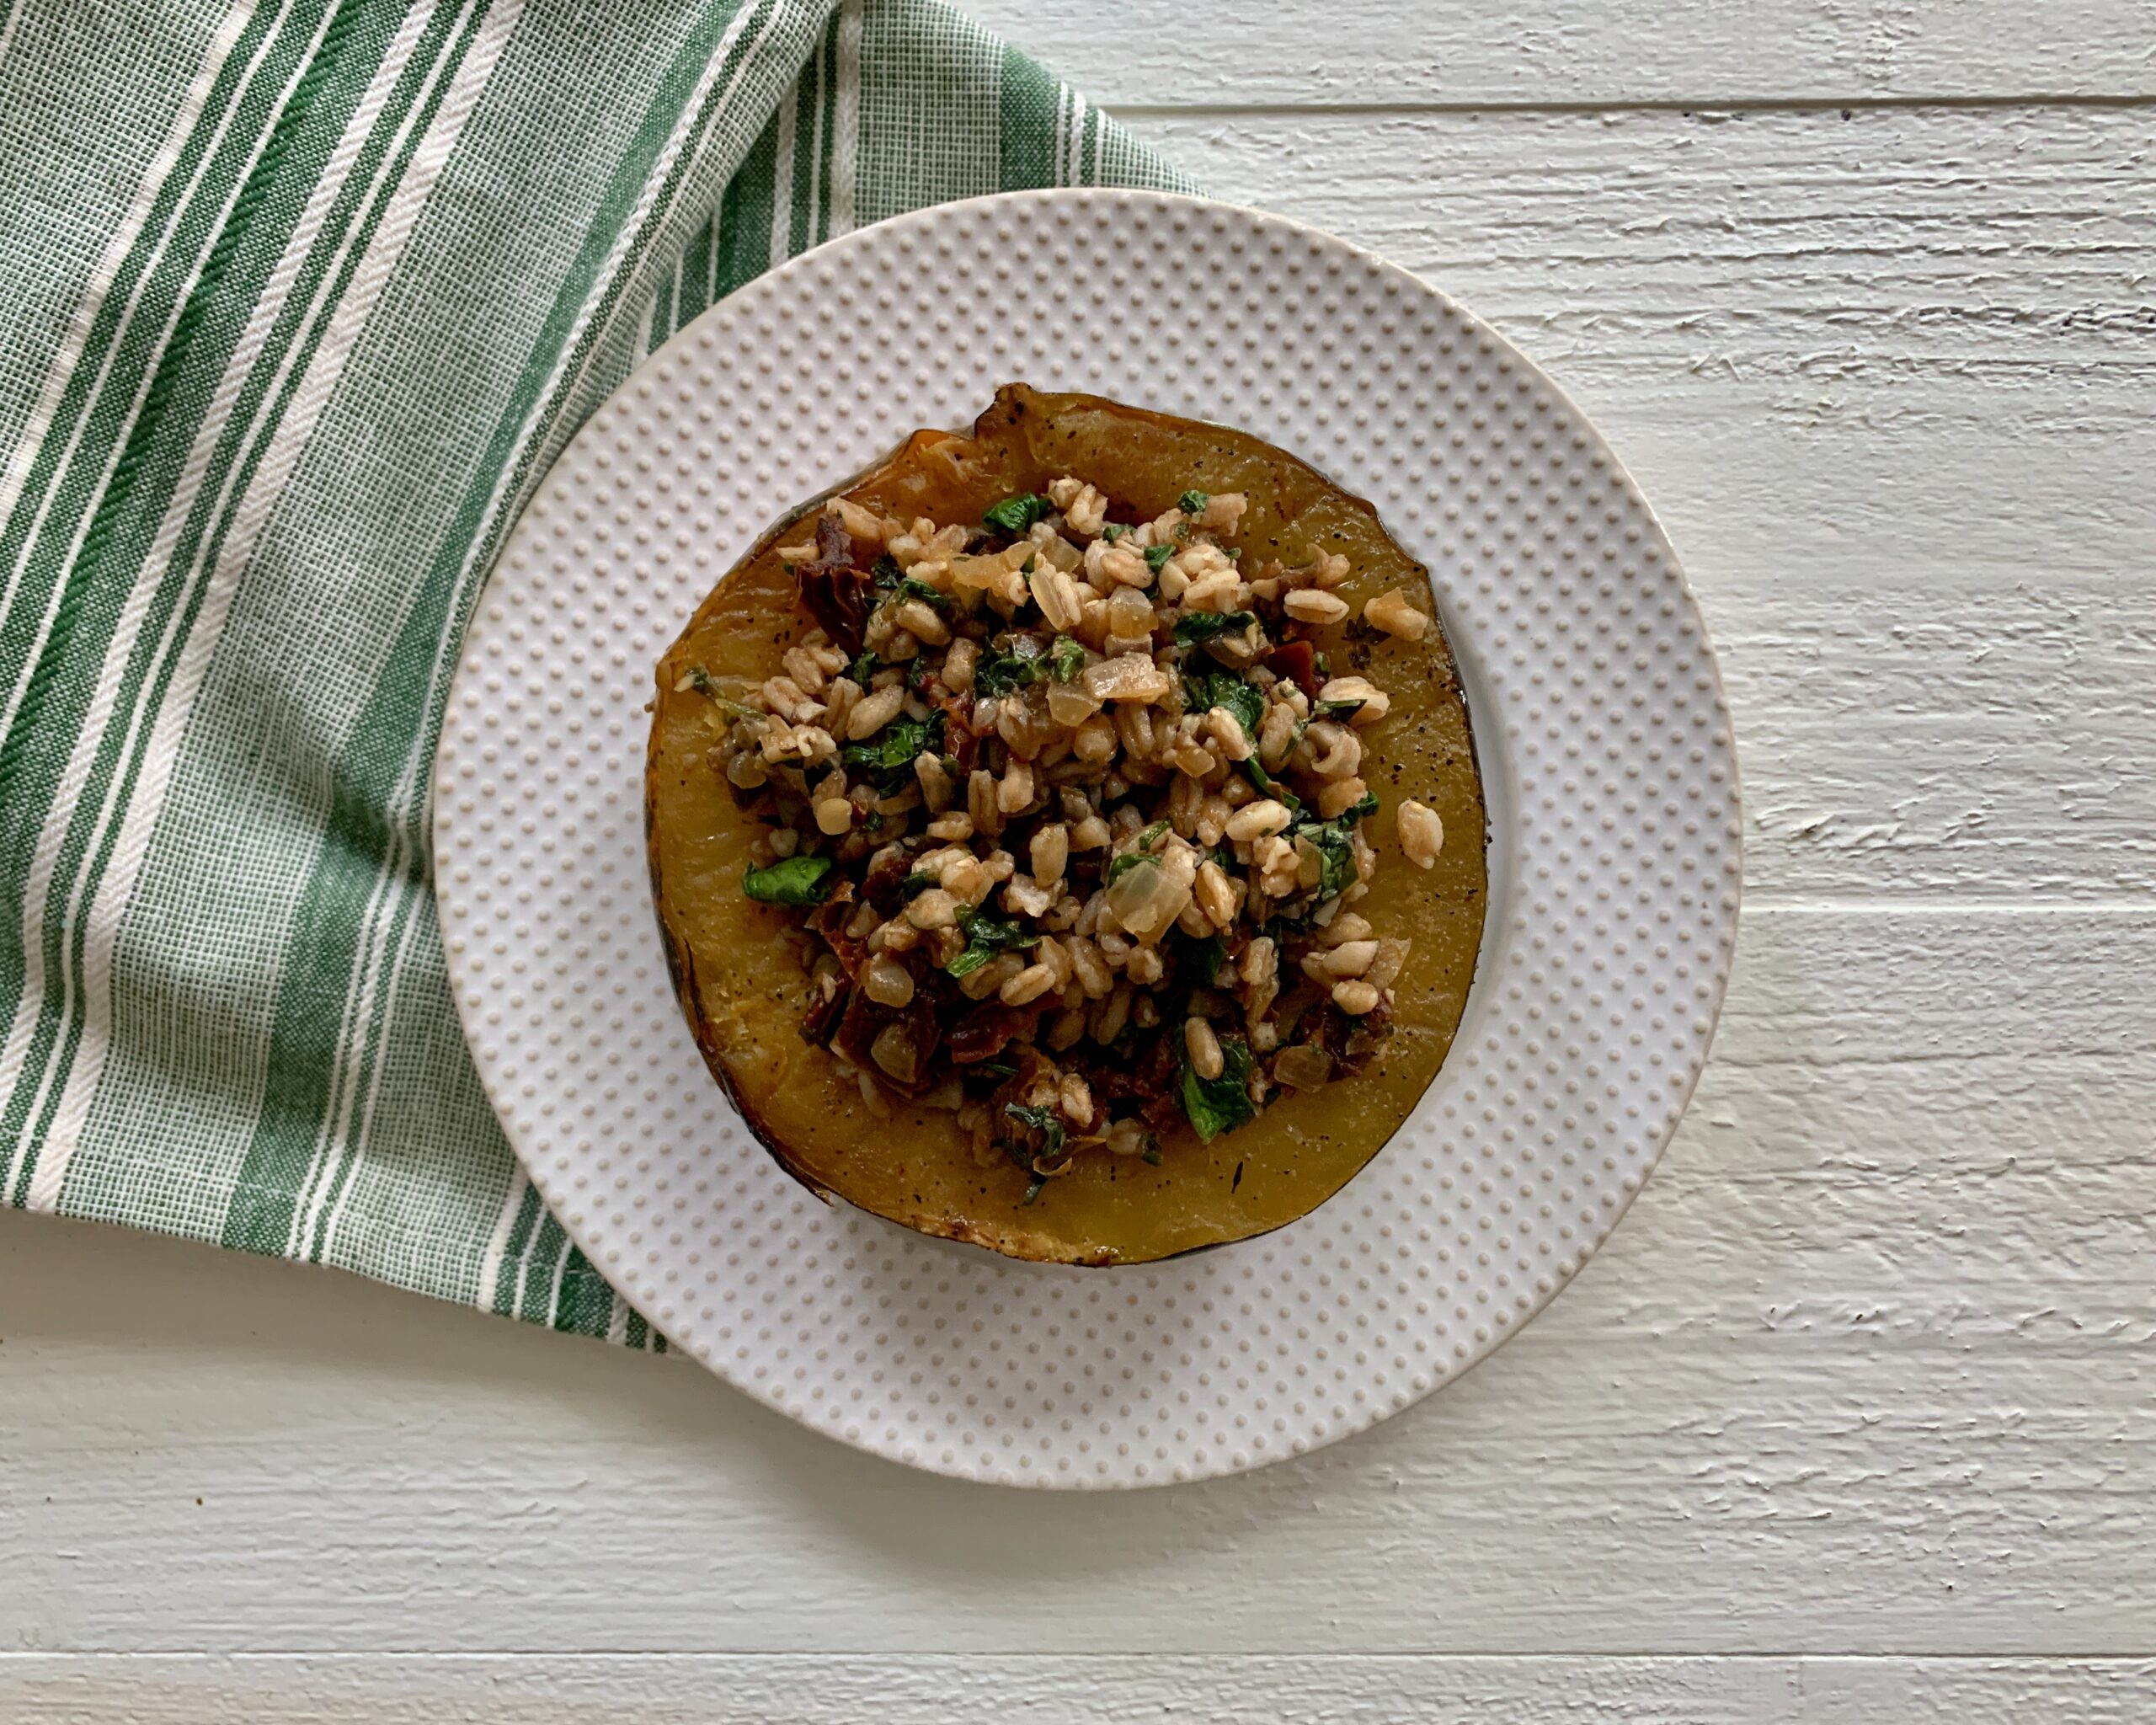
479 777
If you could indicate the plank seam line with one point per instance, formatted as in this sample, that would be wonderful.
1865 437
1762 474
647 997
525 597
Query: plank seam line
1334 1656
1705 108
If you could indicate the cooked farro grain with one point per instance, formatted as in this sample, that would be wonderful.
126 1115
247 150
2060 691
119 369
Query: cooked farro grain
1391 613
1422 834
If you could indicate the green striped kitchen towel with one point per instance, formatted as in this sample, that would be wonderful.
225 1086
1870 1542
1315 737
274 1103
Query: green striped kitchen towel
297 302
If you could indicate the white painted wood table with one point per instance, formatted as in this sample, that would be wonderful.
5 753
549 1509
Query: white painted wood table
1854 1418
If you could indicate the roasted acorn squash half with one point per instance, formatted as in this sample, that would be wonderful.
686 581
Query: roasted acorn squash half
770 999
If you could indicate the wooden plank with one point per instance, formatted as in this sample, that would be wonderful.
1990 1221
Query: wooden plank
1169 54
1867 1370
1887 381
544 1687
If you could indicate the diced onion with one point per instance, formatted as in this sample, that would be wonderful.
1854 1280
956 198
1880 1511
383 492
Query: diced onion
896 1052
1147 900
1071 704
1303 1067
1128 677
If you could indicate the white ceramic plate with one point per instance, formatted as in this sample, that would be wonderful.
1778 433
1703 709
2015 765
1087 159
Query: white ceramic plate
1604 746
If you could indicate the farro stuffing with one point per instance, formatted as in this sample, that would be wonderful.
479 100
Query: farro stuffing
1073 814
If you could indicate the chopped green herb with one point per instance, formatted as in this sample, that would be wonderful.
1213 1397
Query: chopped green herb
888 758
1196 626
1193 503
863 667
1152 835
1323 662
1068 657
796 880
1336 709
697 678
1336 857
1198 960
1042 1120
1122 865
1150 1155
918 881
885 572
1264 781
1034 1188
1226 688
1235 553
986 936
1217 1105
996 1069
1335 844
1113 531
1016 515
928 595
999 672
1029 565
1045 1122
1156 557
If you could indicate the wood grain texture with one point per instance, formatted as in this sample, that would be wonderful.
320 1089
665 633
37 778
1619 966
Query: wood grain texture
547 1688
1855 1417
1867 1370
1172 53
1886 380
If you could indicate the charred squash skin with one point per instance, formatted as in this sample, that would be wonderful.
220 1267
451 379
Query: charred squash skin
745 997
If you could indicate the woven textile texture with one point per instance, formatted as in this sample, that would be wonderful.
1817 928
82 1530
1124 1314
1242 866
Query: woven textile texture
296 304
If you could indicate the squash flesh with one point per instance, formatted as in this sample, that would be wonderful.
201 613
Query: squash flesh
744 994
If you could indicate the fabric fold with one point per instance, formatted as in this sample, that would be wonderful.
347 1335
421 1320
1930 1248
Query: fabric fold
290 335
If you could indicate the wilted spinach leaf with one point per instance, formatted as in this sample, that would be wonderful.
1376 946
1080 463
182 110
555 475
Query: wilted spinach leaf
1225 688
986 936
794 880
1197 961
1335 848
999 672
1217 1105
928 595
1206 625
1017 515
1044 1121
888 758
1254 770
